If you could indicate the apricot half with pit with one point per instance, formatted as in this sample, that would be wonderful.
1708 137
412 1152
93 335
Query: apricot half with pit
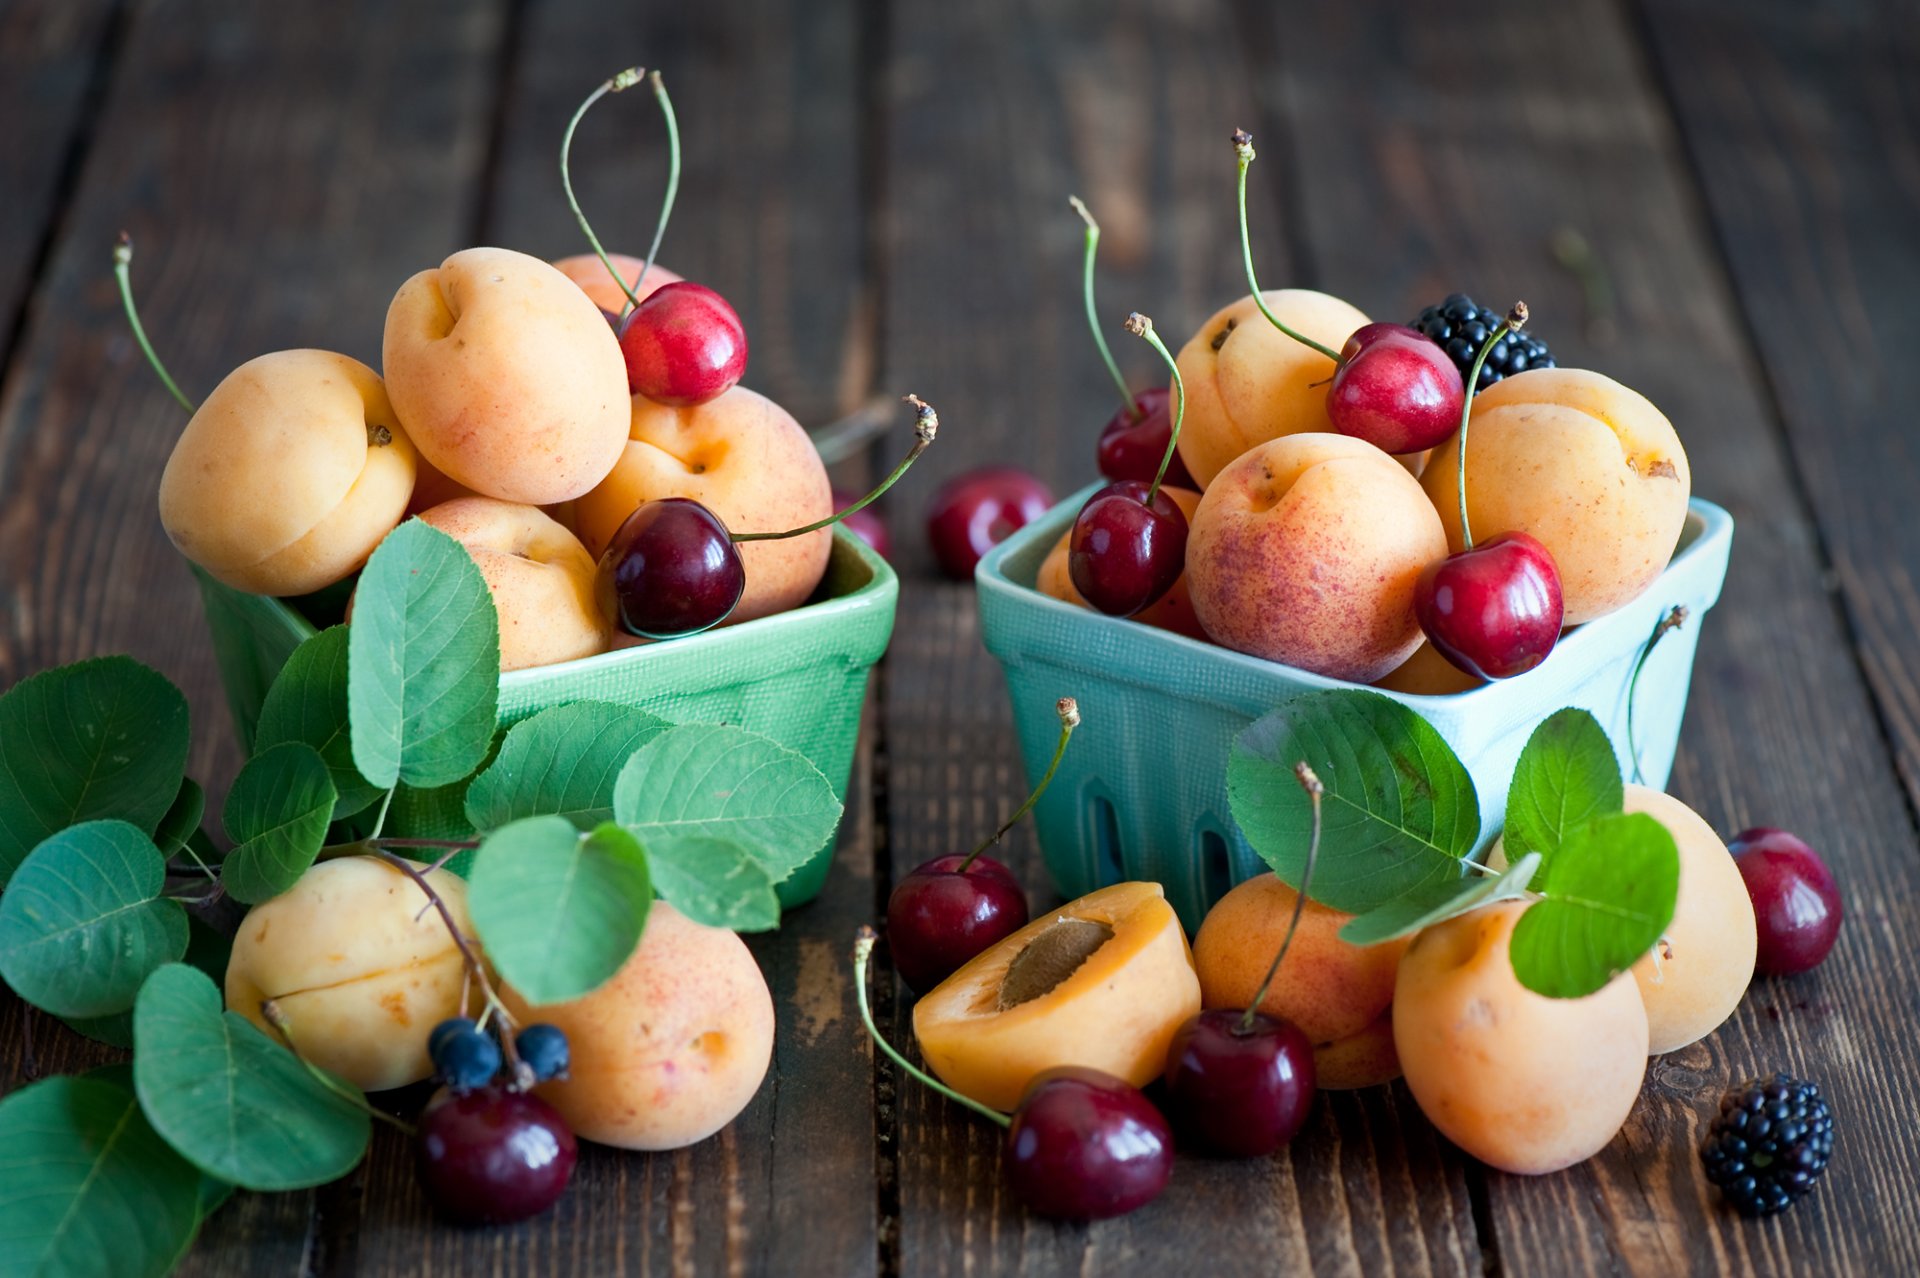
1102 982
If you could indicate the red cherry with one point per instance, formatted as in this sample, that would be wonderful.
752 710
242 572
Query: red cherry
940 916
1123 554
973 512
1396 389
865 524
684 345
1239 1093
1495 610
1131 447
1795 903
671 569
1085 1146
493 1155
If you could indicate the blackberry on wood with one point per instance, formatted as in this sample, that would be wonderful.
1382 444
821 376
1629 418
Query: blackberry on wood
1769 1143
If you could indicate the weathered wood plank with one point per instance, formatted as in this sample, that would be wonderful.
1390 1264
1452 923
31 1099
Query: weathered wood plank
1458 144
998 113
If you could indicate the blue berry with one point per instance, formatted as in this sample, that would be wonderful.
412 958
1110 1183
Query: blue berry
544 1049
445 1030
465 1056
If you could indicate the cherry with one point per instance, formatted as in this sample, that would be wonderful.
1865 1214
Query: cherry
1135 439
1085 1146
683 345
1396 389
1494 610
493 1155
866 525
1795 902
953 907
1125 553
1240 1082
975 511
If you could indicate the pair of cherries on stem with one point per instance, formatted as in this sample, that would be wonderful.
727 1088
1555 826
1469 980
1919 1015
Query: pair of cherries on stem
673 568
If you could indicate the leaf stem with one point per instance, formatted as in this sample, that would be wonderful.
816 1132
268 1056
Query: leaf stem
1128 406
1673 620
926 425
1243 150
122 264
270 1010
624 80
862 954
380 821
1311 784
1515 319
454 845
1069 711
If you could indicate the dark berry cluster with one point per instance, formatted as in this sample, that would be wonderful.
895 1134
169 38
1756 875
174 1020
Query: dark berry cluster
1458 325
1769 1143
466 1056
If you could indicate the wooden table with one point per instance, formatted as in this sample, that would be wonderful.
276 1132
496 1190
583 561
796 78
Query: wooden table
880 188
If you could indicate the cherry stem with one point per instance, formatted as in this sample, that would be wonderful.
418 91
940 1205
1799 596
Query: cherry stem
862 955
1069 711
1673 620
122 262
1514 321
1311 784
1243 150
1572 250
271 1013
926 424
659 87
1128 406
617 84
1142 326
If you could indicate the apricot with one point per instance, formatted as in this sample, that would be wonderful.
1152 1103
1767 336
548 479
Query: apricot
672 1047
358 971
1696 977
541 578
507 376
1334 991
1306 551
1366 1059
1428 674
1103 982
289 474
1523 1082
1172 611
744 458
1587 466
590 273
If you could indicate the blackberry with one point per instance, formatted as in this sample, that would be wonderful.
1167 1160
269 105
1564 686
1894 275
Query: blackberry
1769 1143
544 1049
1458 325
464 1055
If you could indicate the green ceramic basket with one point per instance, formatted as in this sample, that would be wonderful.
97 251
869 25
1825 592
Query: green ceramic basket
799 677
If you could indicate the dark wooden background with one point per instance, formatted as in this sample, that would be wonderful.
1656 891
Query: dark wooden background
880 188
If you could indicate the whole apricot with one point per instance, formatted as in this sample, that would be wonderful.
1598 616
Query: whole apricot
590 273
1171 611
744 458
1523 1082
1334 991
1701 969
1585 465
1247 382
672 1047
541 578
359 969
289 473
1306 550
507 376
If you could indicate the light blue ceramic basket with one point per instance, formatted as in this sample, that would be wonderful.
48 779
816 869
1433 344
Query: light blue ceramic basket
1142 792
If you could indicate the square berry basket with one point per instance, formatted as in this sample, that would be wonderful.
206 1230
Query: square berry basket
799 677
1142 792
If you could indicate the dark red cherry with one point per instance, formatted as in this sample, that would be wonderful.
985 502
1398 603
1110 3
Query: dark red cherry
1131 447
865 524
1084 1146
1795 903
684 345
940 916
492 1155
1495 610
1396 389
973 512
671 570
1238 1094
1123 554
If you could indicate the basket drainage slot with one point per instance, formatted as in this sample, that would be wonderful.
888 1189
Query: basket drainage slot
1106 843
1216 866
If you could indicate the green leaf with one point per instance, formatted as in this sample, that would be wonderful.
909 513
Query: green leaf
730 784
86 1185
97 739
308 702
1432 903
557 910
1609 898
423 662
714 882
208 948
1567 775
1399 812
230 1100
182 818
563 760
276 815
82 924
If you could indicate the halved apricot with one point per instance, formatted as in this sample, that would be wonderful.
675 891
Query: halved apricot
1103 982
